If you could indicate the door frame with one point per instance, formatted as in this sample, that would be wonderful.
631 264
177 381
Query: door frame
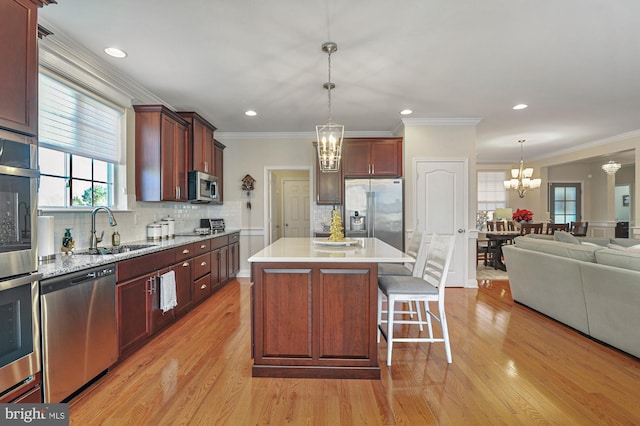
267 176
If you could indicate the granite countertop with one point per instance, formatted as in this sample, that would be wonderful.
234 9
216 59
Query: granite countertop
320 250
64 264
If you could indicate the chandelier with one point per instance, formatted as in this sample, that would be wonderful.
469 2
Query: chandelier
611 167
329 135
521 177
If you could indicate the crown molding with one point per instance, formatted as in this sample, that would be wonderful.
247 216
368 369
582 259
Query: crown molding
63 54
442 121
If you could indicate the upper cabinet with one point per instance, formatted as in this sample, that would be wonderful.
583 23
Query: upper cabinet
201 143
161 154
19 70
328 186
218 169
372 157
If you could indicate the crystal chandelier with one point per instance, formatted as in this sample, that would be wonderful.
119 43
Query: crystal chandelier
611 167
521 177
329 135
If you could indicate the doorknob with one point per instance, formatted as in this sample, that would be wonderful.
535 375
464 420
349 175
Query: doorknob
460 231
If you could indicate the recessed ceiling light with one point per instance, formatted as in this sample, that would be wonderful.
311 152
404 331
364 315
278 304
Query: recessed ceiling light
251 113
520 106
115 52
406 112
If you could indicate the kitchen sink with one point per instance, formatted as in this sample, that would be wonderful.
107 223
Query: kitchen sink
115 250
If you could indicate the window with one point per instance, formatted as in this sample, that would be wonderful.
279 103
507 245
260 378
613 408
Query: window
564 202
491 192
80 136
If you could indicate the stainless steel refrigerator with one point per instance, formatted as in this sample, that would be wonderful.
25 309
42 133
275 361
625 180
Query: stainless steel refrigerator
375 208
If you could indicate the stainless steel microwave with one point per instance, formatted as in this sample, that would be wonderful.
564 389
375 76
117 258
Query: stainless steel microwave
203 188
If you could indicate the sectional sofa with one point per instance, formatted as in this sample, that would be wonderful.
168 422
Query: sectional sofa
592 285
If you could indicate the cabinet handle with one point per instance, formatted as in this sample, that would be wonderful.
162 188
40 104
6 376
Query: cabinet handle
203 264
185 251
203 286
185 264
203 246
149 281
373 169
206 167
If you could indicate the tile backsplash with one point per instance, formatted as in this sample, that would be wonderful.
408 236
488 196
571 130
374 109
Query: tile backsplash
132 224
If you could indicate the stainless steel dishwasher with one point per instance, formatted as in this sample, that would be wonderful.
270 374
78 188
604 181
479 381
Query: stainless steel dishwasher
79 334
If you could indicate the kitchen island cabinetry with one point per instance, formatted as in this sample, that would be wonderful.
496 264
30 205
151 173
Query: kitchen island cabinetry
201 143
372 157
314 308
161 154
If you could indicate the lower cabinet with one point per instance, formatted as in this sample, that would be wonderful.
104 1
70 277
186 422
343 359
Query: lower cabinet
28 392
200 268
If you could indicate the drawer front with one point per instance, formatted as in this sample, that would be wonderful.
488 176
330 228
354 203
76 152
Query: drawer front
202 288
234 238
137 266
184 252
201 247
201 265
219 242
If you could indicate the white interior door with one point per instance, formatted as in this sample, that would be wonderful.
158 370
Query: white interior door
441 194
296 214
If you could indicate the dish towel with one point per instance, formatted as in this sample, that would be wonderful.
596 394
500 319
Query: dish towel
168 299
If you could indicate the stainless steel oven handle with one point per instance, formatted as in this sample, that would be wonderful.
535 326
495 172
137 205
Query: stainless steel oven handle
19 171
17 282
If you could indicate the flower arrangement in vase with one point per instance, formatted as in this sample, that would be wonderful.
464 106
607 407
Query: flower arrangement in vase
522 215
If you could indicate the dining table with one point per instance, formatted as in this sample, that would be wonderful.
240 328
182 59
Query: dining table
496 240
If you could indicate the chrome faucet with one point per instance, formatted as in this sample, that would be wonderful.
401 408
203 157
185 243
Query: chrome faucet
93 243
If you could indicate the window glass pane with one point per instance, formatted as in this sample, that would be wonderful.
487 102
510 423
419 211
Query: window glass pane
559 193
100 170
572 193
570 208
52 191
51 162
80 167
81 193
100 195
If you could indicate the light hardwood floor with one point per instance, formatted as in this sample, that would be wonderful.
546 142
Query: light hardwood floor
511 366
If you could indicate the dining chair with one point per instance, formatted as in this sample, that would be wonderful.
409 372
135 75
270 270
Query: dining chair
482 250
579 229
531 228
497 226
406 269
553 227
425 286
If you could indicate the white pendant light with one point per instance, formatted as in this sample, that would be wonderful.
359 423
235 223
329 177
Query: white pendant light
329 135
521 177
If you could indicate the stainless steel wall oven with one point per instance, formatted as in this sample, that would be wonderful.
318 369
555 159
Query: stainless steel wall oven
19 291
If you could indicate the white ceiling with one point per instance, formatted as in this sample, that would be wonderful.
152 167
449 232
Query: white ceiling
576 63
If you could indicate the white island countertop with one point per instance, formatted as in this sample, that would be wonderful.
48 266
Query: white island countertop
370 250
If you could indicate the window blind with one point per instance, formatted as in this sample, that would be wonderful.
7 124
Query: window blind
74 122
491 192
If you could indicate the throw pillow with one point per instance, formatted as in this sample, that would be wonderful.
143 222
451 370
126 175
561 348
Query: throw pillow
587 243
635 248
565 237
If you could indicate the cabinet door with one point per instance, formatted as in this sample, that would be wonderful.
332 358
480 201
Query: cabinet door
18 67
184 286
198 134
355 158
386 158
328 185
157 318
215 269
234 259
209 151
133 324
224 264
180 161
218 170
173 157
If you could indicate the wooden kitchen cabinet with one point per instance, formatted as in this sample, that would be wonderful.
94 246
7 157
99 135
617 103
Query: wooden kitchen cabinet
200 143
372 157
328 185
234 254
133 321
161 154
218 170
184 287
19 70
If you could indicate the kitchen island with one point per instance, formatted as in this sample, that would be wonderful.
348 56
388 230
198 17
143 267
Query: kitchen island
314 307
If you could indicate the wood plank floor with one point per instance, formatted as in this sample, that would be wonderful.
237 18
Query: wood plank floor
511 366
